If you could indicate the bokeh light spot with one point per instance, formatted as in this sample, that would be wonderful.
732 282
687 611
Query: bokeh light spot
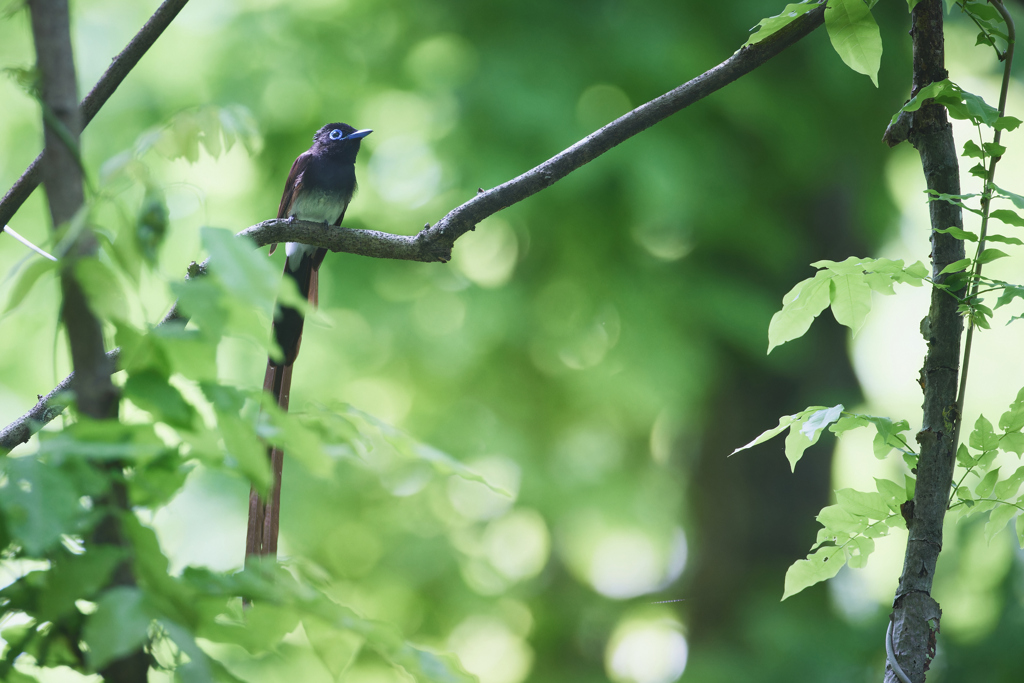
646 651
487 647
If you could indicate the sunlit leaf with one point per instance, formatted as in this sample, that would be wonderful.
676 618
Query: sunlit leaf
855 36
119 626
819 566
800 307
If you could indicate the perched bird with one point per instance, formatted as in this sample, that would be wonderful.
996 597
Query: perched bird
319 188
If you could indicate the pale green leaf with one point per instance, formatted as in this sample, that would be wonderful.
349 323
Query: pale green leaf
800 307
983 438
119 625
855 36
837 520
1008 488
998 519
102 289
1008 216
867 504
27 279
851 300
819 566
956 266
892 493
987 484
860 548
771 25
990 255
819 420
1013 419
784 422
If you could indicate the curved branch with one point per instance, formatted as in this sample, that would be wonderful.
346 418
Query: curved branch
123 63
437 240
434 243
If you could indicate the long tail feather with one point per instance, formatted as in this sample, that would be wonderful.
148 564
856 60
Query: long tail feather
264 515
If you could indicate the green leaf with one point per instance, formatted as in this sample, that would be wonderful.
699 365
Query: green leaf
887 437
998 519
248 451
40 503
152 392
990 255
27 279
1007 489
337 649
871 505
1003 239
1007 123
102 289
848 422
77 577
851 300
956 266
800 307
860 548
918 271
987 484
972 150
983 438
796 443
979 171
838 521
819 566
784 422
118 627
819 420
855 36
771 25
994 150
892 493
960 234
980 110
1017 199
963 456
1013 419
245 272
1012 442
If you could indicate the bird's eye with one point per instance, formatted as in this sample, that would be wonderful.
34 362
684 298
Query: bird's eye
336 134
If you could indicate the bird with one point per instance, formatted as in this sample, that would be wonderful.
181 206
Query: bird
319 188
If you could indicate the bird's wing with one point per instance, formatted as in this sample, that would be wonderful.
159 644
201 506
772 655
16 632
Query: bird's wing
291 187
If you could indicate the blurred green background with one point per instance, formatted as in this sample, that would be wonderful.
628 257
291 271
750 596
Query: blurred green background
598 349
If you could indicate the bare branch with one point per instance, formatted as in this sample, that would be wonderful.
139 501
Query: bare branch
97 97
434 244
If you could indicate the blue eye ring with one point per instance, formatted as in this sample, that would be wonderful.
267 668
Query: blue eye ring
336 134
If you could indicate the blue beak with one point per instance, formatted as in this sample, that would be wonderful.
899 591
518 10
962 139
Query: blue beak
358 134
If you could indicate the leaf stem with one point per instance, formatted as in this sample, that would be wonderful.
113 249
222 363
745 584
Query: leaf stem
986 201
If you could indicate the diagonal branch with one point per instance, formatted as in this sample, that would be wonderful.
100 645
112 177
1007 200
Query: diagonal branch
97 97
435 243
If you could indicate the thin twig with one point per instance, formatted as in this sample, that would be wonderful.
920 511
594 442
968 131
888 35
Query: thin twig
97 97
986 202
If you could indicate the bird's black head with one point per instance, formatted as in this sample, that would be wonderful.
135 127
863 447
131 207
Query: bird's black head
339 138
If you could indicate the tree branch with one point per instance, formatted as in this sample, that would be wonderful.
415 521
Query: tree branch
434 243
916 615
94 392
97 97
